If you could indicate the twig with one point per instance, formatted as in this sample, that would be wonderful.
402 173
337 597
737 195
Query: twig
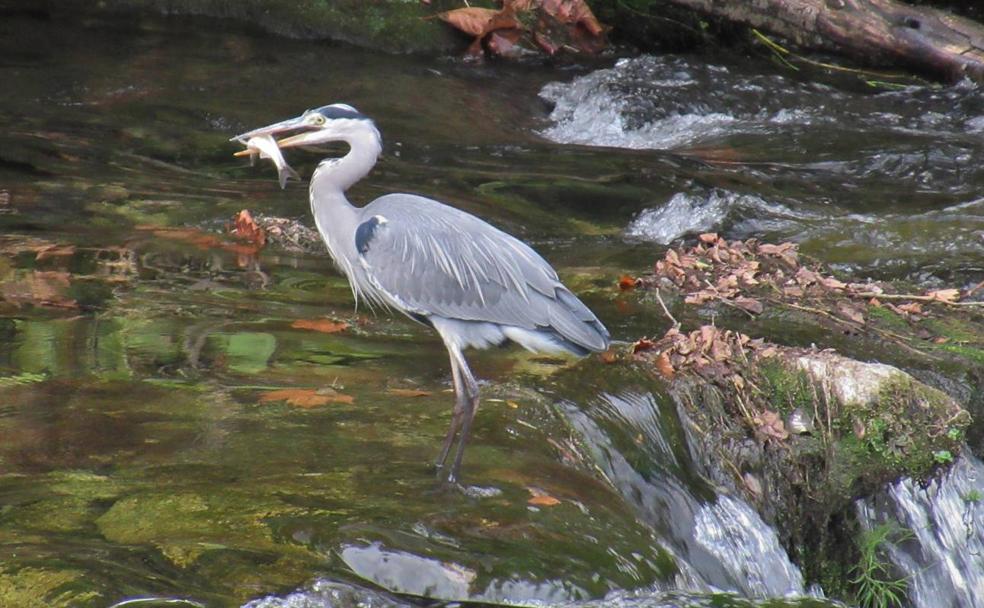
659 298
726 301
782 52
894 337
903 296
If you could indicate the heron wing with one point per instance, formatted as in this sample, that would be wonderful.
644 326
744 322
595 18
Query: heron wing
431 259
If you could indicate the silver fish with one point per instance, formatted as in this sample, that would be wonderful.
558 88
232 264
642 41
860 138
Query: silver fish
265 146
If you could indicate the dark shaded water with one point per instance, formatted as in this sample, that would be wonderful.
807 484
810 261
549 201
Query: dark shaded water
143 450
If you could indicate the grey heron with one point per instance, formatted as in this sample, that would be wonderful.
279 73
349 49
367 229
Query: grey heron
474 284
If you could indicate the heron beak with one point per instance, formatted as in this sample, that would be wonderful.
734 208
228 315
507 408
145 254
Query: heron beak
291 124
309 138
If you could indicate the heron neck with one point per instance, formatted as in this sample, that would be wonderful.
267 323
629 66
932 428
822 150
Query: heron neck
340 174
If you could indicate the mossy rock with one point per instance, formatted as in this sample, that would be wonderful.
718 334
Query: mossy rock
395 26
43 588
184 526
871 424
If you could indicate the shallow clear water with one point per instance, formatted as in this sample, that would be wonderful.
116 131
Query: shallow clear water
144 452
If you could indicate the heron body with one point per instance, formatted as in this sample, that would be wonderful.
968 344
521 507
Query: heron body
476 285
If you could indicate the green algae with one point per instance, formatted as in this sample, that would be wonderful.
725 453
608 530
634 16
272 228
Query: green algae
30 587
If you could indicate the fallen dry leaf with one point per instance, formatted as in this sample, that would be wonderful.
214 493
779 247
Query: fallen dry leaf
245 227
945 295
472 20
305 397
663 365
749 304
573 12
851 311
626 283
642 344
540 498
770 426
326 326
912 308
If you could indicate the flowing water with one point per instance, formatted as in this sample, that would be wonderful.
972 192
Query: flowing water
173 435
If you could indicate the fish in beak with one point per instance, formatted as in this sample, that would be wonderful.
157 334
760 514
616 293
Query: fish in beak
265 146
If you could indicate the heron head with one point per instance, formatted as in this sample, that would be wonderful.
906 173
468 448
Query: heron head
335 122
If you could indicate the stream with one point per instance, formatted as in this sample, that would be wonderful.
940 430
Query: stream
175 430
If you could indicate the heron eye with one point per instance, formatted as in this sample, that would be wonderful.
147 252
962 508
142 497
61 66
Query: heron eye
317 119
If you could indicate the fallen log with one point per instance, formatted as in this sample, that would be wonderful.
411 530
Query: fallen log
928 41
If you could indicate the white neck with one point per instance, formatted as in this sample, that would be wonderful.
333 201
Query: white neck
340 174
335 217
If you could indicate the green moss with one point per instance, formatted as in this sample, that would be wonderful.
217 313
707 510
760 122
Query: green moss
887 318
908 430
786 389
953 328
43 588
185 525
967 352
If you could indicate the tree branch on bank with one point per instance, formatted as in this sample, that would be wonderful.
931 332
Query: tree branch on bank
926 40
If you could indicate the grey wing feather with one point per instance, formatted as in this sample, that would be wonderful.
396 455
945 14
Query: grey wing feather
432 259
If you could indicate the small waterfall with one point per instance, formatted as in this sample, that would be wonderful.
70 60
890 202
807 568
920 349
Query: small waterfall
944 559
749 549
720 541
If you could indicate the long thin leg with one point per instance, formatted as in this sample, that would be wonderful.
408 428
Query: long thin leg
456 415
471 407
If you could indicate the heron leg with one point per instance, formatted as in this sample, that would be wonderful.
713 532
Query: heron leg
470 390
456 415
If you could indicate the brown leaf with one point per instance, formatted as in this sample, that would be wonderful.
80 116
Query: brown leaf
663 365
709 238
805 277
945 295
770 426
851 312
720 350
540 498
643 344
245 227
408 392
708 333
608 357
699 297
471 20
304 397
504 42
672 257
573 12
326 326
480 22
627 283
832 283
912 308
749 304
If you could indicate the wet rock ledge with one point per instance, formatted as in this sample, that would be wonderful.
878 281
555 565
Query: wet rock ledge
801 430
